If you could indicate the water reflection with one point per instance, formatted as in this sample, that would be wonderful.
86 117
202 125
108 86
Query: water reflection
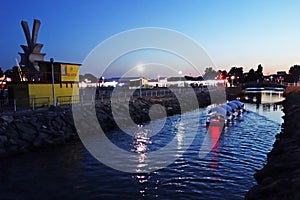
266 102
262 97
215 132
179 135
140 143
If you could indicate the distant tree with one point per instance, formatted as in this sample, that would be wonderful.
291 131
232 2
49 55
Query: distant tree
210 73
91 77
251 76
237 74
15 74
1 75
222 74
288 78
295 72
81 78
192 78
8 73
259 73
1 72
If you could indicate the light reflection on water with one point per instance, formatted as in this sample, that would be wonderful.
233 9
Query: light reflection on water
266 103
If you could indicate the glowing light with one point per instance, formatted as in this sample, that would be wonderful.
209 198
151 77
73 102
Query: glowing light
140 68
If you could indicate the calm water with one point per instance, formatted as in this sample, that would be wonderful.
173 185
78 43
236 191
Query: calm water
225 173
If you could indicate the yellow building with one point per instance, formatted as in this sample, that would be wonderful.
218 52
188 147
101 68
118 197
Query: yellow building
37 88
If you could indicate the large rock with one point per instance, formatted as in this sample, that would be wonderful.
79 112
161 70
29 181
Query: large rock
7 118
43 140
280 177
3 140
12 133
25 128
28 136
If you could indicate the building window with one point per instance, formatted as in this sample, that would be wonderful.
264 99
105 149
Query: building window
64 70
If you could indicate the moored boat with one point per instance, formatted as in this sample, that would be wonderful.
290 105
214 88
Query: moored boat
217 116
224 113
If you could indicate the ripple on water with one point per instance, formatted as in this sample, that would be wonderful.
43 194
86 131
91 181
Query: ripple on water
225 173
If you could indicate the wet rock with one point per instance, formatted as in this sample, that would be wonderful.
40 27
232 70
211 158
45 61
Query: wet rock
43 140
7 118
23 146
3 140
12 133
27 136
25 128
280 177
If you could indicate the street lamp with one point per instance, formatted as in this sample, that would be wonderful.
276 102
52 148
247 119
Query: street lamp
52 73
141 87
180 72
232 78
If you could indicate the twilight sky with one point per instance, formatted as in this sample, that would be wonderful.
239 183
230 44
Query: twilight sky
233 33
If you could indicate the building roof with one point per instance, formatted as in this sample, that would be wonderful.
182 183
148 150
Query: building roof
66 63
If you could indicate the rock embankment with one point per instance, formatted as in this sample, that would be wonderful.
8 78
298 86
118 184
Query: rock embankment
280 177
31 130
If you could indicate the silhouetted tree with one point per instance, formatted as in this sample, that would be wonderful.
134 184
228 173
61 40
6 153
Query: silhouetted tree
8 73
191 78
223 74
1 72
15 74
237 73
289 78
210 73
251 76
259 73
90 77
295 72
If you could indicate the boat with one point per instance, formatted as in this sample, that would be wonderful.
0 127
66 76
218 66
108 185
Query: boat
229 114
240 106
217 116
234 108
225 113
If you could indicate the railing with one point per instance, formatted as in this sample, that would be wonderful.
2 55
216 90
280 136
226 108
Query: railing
62 100
90 97
20 104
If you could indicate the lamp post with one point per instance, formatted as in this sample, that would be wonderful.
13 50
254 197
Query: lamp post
52 73
141 87
232 78
180 72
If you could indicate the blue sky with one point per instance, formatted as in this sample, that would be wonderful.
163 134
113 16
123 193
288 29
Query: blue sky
233 33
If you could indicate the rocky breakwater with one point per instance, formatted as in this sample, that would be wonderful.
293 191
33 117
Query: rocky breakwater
32 130
22 132
280 177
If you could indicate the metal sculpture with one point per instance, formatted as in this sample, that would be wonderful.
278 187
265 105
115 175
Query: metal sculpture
32 52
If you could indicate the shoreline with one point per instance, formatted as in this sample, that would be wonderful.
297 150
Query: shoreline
280 176
28 131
